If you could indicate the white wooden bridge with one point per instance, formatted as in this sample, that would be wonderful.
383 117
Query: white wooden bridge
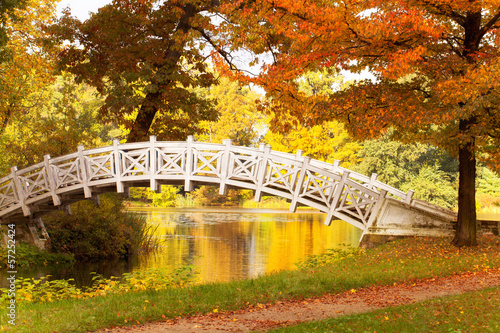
376 208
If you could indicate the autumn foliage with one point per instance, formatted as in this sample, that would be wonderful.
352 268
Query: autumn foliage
435 64
144 57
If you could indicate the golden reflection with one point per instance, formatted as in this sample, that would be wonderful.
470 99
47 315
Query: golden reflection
228 244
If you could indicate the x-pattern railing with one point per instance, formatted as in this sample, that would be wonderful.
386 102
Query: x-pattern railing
171 163
319 187
67 173
339 192
99 166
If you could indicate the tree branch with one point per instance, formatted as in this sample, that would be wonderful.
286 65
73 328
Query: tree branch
489 25
445 10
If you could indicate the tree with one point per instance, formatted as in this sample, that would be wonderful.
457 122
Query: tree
428 171
328 141
28 70
66 119
435 64
144 57
7 14
240 119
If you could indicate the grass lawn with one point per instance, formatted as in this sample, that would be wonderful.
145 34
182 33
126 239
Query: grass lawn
400 261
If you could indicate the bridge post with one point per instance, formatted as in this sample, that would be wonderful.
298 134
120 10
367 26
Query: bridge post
153 164
300 158
188 185
52 180
36 227
336 166
20 191
262 173
336 198
300 183
84 172
118 167
375 211
373 179
66 209
409 196
224 171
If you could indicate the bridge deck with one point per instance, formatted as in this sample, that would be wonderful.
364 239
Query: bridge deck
341 193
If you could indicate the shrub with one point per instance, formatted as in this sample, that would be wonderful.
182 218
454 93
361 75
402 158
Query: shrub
209 196
44 290
267 202
91 232
486 203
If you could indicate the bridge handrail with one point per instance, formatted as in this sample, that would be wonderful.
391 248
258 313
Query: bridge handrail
406 197
283 174
372 183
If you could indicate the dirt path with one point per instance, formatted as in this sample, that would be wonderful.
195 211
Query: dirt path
264 317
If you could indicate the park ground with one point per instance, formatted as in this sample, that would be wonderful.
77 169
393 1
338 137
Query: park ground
264 317
413 285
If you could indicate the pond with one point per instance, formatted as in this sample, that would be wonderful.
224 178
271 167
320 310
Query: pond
228 244
224 243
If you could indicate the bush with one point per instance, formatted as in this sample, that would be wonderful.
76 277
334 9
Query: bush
267 202
91 232
209 196
167 197
43 290
434 186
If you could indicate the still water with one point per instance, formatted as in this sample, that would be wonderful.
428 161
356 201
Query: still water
228 244
224 243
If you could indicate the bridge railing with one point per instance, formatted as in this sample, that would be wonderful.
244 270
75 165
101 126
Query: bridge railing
337 191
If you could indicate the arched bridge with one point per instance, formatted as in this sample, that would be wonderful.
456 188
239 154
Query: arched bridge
27 194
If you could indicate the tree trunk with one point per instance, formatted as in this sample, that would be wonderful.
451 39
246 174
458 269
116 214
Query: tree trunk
145 118
466 224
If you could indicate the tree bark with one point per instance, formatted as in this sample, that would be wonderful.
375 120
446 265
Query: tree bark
145 118
466 223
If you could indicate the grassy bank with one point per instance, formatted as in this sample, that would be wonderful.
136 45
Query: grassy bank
28 255
400 261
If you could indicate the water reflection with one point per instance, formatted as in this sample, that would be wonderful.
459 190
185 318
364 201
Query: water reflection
225 244
228 244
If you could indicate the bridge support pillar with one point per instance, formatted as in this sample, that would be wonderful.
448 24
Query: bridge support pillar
33 232
398 219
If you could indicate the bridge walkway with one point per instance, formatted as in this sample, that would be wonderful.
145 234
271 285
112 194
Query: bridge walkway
363 201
